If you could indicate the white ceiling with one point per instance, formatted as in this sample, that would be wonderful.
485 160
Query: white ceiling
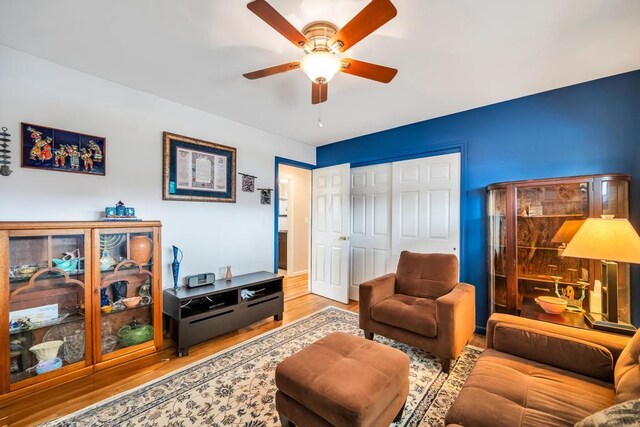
452 55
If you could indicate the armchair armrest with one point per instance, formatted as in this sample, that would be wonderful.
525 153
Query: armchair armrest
456 319
586 352
373 292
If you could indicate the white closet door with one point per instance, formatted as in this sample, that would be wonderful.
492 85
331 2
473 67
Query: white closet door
426 206
330 233
370 224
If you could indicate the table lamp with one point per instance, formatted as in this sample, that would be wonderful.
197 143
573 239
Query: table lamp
611 241
565 233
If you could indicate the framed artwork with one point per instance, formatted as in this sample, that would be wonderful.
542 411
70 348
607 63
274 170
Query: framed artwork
196 170
61 150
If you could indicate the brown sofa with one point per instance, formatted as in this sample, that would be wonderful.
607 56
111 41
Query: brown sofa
422 305
540 374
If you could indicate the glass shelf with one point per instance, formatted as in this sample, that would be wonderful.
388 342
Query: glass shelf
543 279
50 275
137 307
127 267
69 319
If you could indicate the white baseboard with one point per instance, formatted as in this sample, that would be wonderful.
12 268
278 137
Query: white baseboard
354 293
297 273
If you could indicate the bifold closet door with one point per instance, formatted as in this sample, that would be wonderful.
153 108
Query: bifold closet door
425 211
330 232
370 224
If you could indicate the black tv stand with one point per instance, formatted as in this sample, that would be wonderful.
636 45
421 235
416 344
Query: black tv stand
199 314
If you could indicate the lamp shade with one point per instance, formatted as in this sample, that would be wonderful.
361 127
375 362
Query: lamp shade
605 239
320 67
567 230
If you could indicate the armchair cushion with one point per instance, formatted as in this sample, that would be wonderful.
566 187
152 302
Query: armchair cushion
627 371
426 275
409 313
563 352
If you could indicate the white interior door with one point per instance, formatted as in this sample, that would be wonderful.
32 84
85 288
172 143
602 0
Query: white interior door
370 240
426 206
330 232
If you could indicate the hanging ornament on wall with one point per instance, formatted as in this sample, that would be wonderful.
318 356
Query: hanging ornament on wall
5 161
265 196
248 183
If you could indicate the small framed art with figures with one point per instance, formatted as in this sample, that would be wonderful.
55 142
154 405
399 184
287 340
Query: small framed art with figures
61 150
196 170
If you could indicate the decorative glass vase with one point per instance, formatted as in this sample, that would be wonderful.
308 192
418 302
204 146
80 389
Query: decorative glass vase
175 266
73 348
119 290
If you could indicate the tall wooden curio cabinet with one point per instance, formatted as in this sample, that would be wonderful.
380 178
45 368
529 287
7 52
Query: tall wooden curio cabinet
76 297
529 224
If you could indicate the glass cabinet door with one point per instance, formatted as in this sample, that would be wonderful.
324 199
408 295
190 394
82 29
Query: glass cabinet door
48 327
614 199
548 217
497 214
126 278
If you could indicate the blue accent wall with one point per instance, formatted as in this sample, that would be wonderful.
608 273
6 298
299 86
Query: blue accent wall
588 128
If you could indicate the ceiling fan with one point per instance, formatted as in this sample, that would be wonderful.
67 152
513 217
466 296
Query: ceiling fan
321 42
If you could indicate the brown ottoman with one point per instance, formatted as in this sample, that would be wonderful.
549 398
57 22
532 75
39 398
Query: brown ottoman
342 380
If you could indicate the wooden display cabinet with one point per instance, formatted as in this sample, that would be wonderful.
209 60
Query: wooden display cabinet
529 224
51 276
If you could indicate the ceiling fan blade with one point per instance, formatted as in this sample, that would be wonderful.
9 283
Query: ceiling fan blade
265 72
318 92
376 72
271 16
372 17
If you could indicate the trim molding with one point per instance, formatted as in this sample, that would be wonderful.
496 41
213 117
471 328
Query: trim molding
276 202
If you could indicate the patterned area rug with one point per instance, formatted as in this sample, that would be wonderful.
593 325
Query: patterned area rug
236 387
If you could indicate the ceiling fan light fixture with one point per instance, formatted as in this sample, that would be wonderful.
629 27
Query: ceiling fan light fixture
320 67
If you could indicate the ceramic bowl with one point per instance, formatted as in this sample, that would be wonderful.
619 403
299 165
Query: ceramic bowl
131 335
66 265
552 305
131 301
25 271
48 365
46 350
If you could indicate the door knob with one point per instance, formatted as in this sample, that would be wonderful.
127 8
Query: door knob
343 237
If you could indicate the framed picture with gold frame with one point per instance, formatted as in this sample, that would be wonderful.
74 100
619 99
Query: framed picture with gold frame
197 171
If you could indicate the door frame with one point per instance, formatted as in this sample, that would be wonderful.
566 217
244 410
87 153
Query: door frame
459 146
276 202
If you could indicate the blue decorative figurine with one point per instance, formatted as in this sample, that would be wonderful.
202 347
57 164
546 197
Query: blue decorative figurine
104 299
120 209
175 266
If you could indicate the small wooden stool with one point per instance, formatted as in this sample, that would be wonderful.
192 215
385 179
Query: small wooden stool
342 380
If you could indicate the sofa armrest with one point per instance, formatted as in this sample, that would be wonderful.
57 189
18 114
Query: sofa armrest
373 292
613 342
456 319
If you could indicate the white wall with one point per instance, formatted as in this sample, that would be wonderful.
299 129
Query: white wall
211 235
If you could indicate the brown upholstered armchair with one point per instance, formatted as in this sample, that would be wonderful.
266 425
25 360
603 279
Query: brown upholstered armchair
422 305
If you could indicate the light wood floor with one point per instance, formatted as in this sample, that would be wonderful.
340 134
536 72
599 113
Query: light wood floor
295 286
70 397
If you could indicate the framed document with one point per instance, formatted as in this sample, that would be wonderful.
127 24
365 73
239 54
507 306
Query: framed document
196 170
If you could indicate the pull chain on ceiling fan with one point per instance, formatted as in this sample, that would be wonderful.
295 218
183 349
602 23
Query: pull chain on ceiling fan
322 41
